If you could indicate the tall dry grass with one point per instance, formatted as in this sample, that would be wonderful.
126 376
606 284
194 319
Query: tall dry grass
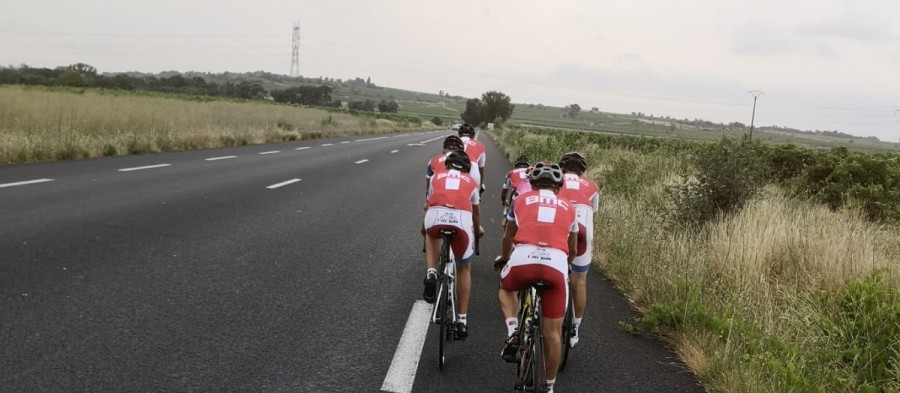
44 125
777 297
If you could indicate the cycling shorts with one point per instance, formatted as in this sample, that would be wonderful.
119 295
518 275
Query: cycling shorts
584 215
529 263
439 218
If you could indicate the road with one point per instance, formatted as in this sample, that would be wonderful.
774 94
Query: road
279 268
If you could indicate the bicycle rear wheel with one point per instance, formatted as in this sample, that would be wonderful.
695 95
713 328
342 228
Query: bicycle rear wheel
526 363
568 329
537 370
443 323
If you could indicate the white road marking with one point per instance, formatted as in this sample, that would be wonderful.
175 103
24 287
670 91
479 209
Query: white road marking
22 183
402 373
284 183
361 161
328 144
270 152
413 144
344 142
302 148
371 139
143 167
220 158
394 151
434 139
398 136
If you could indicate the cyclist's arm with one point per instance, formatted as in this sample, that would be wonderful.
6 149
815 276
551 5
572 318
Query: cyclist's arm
506 245
573 241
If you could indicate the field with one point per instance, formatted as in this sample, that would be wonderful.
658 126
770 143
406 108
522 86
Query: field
38 124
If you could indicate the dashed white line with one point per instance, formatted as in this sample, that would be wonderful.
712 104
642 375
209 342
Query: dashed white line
284 183
270 152
361 161
302 148
394 151
328 144
22 183
371 139
345 142
140 168
398 136
220 158
402 372
434 139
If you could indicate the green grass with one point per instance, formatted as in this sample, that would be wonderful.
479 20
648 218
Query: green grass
40 124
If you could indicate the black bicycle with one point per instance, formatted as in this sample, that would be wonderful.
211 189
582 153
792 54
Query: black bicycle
568 328
444 311
530 375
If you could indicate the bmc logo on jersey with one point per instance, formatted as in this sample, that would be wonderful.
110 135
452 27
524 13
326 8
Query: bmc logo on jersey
546 200
455 174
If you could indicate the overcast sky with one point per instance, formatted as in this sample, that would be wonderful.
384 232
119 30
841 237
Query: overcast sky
822 64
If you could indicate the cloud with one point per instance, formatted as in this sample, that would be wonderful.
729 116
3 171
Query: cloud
763 39
851 27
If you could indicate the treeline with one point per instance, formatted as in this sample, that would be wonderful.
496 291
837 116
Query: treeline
84 75
730 172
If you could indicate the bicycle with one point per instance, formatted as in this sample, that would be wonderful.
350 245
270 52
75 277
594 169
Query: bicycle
444 312
530 375
568 328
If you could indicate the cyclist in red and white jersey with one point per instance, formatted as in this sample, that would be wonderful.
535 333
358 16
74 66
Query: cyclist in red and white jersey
543 228
453 200
584 194
475 150
436 164
517 181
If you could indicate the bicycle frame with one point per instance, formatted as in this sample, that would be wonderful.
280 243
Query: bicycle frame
530 372
444 312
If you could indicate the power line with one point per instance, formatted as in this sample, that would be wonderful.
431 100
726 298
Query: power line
47 33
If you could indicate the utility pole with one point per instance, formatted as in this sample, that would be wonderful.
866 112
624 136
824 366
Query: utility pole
295 51
755 94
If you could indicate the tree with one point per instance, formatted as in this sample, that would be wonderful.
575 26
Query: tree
388 106
496 107
437 121
572 110
474 113
595 109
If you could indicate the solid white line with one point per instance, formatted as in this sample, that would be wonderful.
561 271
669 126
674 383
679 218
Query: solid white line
402 373
22 183
361 161
371 139
302 148
271 152
328 144
394 151
345 142
220 158
284 183
144 167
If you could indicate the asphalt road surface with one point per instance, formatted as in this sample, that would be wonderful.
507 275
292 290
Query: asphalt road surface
289 267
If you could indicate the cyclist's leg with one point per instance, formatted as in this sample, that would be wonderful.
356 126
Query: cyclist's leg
463 250
553 308
582 262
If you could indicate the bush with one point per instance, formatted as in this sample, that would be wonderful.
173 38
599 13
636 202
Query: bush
437 121
727 175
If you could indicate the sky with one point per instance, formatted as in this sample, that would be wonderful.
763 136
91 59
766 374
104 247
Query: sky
820 64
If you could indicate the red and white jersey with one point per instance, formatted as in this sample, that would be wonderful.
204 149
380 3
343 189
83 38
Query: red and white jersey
543 219
580 191
475 150
453 189
517 180
436 165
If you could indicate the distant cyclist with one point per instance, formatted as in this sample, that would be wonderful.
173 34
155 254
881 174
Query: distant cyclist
584 194
452 203
543 229
475 150
516 183
436 164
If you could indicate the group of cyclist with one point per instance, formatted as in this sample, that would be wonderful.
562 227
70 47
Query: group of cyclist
548 231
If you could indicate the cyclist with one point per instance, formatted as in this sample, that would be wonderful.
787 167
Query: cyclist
543 229
436 164
517 181
475 150
584 194
453 200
